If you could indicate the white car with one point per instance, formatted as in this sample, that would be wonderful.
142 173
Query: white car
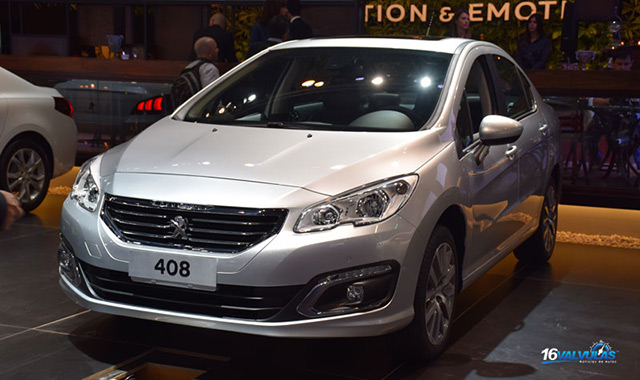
37 138
323 188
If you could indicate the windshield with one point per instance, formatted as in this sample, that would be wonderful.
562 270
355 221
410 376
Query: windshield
331 89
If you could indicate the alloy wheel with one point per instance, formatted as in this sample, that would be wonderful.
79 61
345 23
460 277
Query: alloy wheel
26 174
440 293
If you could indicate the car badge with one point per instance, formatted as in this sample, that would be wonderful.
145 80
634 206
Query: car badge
179 225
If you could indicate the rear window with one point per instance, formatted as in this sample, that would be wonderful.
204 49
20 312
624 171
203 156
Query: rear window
331 89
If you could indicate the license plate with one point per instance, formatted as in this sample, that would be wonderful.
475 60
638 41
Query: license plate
194 272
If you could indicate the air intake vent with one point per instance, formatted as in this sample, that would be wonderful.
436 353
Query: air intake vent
243 302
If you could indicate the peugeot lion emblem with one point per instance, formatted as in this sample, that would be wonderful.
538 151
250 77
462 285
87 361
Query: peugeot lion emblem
179 225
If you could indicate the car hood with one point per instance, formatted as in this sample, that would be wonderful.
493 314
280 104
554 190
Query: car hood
327 162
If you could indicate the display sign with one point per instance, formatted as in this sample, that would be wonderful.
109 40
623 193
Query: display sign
478 12
194 2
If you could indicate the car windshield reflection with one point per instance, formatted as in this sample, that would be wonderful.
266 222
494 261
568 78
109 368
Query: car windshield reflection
329 89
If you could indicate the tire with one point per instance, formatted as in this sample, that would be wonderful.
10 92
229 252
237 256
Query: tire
539 247
25 171
434 302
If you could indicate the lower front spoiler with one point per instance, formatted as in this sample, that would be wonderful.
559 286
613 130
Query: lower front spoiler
369 323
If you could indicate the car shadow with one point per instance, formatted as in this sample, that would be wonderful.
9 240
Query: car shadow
485 318
249 357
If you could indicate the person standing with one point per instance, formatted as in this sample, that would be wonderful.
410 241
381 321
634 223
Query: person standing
10 209
298 28
278 27
197 74
459 26
259 31
207 52
224 38
534 48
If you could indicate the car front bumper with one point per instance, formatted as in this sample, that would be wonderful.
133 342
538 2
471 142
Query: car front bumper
285 260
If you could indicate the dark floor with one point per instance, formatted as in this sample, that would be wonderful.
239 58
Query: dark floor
505 320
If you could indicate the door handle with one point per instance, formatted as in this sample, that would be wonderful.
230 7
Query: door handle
544 129
511 152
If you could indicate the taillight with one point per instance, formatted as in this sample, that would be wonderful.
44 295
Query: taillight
62 105
157 104
151 105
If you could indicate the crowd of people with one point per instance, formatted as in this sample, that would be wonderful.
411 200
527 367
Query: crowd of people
534 46
281 20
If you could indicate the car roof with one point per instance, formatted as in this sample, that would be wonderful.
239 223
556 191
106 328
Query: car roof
440 45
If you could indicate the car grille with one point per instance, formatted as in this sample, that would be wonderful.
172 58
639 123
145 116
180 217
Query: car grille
231 301
186 226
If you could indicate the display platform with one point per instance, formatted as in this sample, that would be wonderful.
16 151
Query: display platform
517 321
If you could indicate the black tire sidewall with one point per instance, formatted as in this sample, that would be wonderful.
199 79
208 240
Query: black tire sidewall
8 152
416 333
552 184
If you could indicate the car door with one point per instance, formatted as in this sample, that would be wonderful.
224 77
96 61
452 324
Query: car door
516 100
492 182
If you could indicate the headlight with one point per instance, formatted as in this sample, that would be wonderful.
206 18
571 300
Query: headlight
367 205
85 188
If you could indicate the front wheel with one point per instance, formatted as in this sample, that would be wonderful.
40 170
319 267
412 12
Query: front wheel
540 245
434 302
25 172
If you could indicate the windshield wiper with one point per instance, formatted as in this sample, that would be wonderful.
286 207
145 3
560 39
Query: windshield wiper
275 124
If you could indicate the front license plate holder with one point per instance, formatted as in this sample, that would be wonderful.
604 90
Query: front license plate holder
183 271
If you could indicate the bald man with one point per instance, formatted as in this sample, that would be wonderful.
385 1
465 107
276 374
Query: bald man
196 75
207 52
224 38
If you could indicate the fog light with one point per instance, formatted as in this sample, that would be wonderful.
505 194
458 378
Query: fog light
355 293
68 265
354 290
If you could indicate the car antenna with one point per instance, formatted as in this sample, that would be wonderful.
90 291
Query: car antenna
430 22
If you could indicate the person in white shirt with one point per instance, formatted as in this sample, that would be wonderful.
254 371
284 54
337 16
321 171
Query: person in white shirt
207 51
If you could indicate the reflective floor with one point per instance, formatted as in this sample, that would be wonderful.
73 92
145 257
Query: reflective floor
504 321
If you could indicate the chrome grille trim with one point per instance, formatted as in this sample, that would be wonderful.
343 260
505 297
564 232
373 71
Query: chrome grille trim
207 228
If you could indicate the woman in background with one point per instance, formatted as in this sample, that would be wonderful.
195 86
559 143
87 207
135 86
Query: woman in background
534 48
459 25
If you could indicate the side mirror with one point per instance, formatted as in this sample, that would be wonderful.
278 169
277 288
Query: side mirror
499 130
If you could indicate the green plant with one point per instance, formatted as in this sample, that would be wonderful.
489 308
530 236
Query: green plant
245 17
631 21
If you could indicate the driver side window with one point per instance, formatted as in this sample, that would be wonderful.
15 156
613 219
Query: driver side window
516 93
476 103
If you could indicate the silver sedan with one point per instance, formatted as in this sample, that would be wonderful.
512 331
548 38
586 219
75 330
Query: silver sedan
324 188
37 138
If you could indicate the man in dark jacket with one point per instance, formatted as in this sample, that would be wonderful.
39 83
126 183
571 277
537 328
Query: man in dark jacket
10 209
223 37
298 28
277 28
